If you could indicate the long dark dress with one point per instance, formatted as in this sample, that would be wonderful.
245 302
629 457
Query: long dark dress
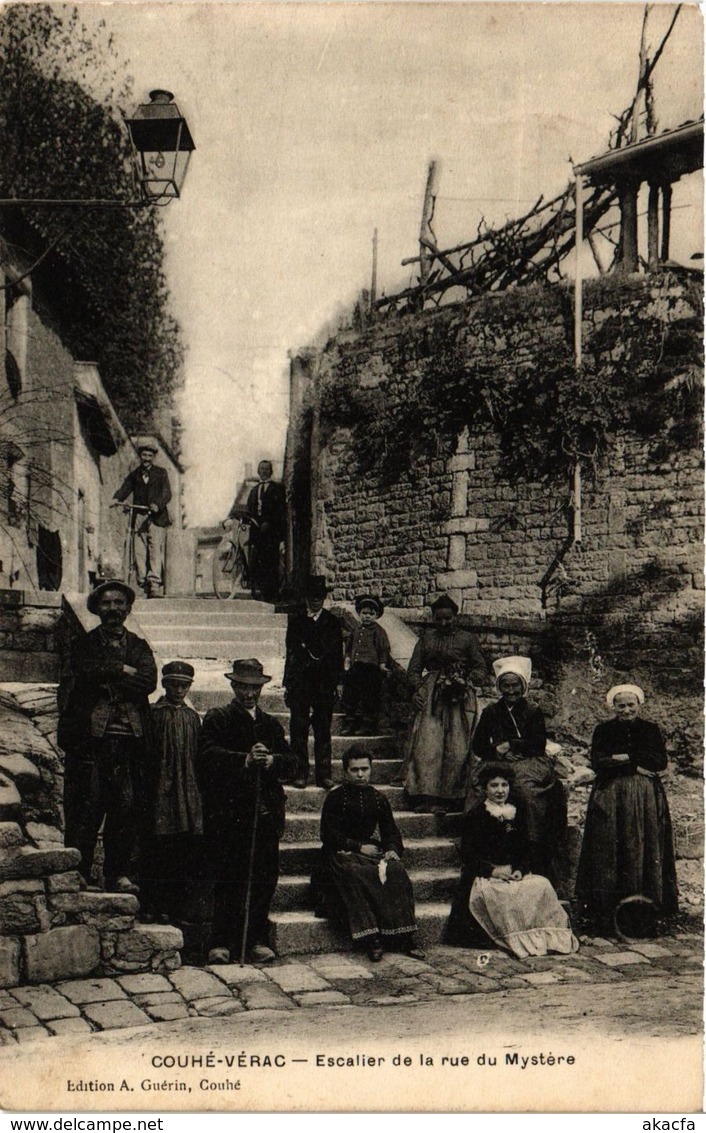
627 845
523 727
350 882
522 916
439 742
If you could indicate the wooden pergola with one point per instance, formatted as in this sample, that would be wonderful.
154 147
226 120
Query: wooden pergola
658 161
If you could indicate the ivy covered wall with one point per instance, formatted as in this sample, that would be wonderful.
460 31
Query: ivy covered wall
445 445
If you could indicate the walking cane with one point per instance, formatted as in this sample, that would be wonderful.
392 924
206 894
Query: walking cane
251 863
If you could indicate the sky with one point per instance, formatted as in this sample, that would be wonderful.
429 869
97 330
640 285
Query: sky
314 124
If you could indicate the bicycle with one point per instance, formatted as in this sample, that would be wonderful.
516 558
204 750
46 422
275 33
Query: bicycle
231 560
129 571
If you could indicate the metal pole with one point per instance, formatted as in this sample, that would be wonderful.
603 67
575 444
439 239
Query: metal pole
251 863
578 282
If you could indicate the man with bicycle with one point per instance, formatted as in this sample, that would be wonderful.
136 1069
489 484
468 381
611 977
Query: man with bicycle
151 492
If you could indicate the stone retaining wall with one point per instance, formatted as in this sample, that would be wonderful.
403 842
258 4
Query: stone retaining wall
29 635
50 927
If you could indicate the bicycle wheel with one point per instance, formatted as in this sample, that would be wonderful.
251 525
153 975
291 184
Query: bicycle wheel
241 577
224 580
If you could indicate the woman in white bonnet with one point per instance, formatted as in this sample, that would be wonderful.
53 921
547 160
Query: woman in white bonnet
627 848
513 731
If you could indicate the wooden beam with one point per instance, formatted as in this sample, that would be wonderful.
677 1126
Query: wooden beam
425 233
666 221
628 226
653 228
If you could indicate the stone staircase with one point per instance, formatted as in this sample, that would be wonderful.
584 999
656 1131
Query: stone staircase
210 634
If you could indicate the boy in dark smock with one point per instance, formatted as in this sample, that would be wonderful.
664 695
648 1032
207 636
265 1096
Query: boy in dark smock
243 756
367 658
174 822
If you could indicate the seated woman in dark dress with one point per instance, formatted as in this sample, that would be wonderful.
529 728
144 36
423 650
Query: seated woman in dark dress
512 732
627 849
498 897
360 880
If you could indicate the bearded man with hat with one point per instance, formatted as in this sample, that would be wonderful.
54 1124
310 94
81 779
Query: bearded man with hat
243 759
313 671
104 729
150 490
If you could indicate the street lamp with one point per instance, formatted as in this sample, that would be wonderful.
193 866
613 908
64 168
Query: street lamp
161 146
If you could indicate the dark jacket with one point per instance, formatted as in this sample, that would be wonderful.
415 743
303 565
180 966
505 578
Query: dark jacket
156 491
523 728
98 681
352 816
271 512
314 653
227 786
640 739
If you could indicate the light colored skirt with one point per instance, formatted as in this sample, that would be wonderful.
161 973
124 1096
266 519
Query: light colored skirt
523 916
438 746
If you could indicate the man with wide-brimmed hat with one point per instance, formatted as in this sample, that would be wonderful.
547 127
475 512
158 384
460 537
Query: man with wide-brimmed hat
312 673
150 490
103 728
243 759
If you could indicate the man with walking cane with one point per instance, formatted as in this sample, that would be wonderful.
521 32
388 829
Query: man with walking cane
243 758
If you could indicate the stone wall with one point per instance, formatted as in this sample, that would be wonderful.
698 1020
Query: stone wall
454 522
29 636
50 927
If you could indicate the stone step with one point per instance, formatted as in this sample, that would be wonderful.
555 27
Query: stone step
294 933
152 617
419 853
224 650
303 826
311 799
195 605
217 635
293 891
203 697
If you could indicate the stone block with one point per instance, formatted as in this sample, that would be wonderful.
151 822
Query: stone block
10 835
22 908
41 832
457 552
115 1013
69 1027
618 959
143 942
24 773
145 984
157 997
96 990
9 961
15 1017
61 953
193 984
70 882
217 1005
321 998
108 904
297 977
462 461
31 1034
235 976
261 997
464 525
28 862
457 580
10 801
45 1002
540 978
165 1012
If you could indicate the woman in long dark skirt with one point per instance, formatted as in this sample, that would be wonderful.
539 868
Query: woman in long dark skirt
360 879
627 849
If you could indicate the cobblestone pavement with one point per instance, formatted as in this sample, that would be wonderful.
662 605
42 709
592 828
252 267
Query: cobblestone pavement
77 1007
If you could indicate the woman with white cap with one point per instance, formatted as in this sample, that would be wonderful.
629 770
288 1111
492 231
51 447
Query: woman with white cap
627 846
512 731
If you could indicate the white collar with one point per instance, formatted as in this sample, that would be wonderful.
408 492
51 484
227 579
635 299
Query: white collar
506 812
315 617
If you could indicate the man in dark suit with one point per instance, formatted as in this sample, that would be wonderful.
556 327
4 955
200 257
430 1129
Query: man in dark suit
243 756
267 508
103 728
150 490
312 672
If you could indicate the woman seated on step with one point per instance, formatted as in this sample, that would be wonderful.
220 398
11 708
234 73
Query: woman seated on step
359 880
498 897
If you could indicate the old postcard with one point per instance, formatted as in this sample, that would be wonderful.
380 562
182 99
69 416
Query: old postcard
351 557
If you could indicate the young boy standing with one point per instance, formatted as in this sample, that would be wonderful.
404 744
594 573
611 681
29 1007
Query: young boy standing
174 821
367 657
